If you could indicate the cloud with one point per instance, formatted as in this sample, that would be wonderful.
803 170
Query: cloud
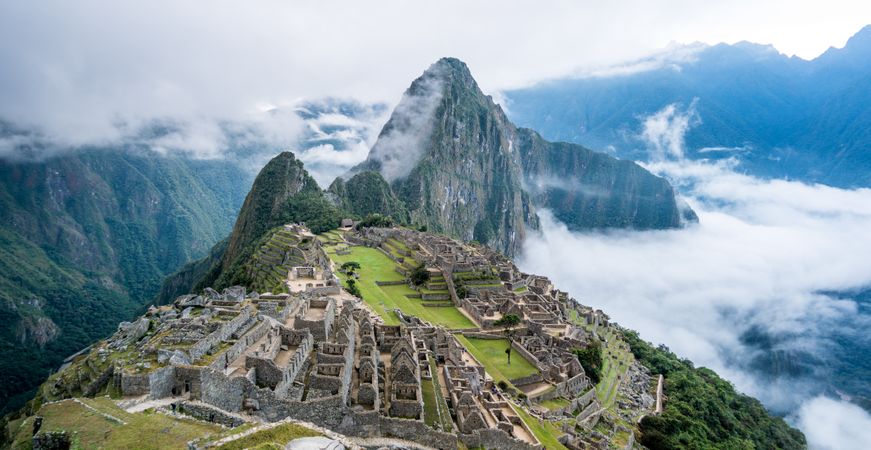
761 290
403 140
835 425
74 71
665 130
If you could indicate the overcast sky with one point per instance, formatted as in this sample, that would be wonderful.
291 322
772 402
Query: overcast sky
80 69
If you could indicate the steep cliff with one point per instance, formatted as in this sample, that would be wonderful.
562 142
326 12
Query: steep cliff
462 168
590 190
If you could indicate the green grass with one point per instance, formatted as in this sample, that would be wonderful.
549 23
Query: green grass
376 266
147 430
491 353
607 388
430 409
445 415
546 432
555 403
275 437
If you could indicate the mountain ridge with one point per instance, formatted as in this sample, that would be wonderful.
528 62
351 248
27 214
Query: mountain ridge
779 116
467 170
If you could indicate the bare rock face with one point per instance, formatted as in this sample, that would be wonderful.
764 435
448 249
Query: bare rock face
234 293
186 301
39 329
130 332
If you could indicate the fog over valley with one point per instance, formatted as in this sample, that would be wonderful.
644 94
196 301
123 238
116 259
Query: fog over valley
766 289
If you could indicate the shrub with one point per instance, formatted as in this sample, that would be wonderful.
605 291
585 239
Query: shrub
419 276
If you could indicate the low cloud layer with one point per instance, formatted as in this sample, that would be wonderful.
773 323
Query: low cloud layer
404 139
833 425
665 130
770 289
760 260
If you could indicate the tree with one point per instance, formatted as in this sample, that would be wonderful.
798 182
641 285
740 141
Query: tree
349 267
591 360
508 322
419 276
353 289
376 221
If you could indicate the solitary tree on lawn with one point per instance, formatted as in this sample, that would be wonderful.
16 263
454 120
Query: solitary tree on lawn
508 323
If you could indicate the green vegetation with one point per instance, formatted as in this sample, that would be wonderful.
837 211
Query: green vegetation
508 323
111 427
591 360
282 193
555 403
376 266
314 210
367 193
277 436
441 404
704 411
86 239
491 353
546 432
419 276
376 221
350 266
353 289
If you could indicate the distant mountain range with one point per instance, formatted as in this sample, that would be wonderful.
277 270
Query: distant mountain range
779 116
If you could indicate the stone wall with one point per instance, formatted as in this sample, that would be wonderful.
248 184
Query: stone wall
266 373
492 438
134 385
209 413
222 333
223 392
240 346
526 354
530 379
161 382
51 440
417 431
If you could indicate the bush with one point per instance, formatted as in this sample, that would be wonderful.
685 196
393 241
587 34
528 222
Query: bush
591 360
353 289
375 221
419 276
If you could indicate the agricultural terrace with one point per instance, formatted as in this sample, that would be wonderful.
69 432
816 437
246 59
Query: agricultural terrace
377 266
491 353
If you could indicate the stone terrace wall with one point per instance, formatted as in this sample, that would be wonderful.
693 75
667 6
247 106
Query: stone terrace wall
417 431
134 384
223 392
240 346
209 413
223 333
495 439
